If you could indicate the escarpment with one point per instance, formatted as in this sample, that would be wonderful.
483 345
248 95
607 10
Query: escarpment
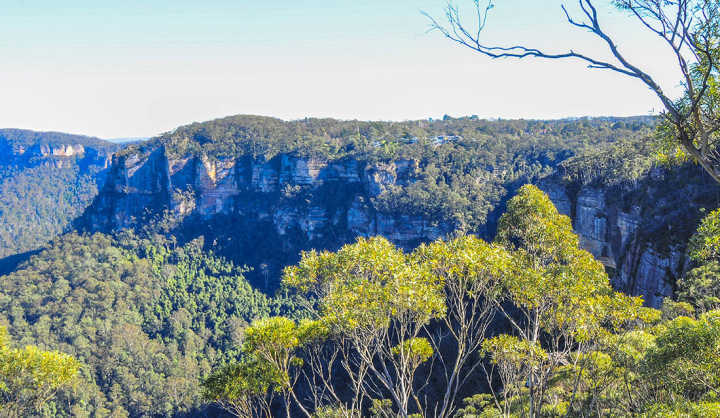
639 232
260 190
264 212
288 203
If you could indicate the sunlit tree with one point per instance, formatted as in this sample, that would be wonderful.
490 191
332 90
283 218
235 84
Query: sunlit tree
31 377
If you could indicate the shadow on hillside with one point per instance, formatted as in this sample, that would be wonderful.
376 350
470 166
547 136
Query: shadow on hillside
10 263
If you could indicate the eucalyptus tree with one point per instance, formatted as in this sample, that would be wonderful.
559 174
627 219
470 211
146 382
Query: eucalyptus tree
688 29
559 301
31 377
701 285
377 302
471 272
243 389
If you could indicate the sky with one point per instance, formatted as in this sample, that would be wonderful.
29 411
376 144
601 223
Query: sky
138 68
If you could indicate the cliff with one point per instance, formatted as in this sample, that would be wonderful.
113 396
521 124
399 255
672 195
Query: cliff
263 212
25 148
46 180
639 231
257 211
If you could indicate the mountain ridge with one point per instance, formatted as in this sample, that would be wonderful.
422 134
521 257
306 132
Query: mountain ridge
260 190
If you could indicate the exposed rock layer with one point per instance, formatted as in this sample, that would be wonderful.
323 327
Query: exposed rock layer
264 212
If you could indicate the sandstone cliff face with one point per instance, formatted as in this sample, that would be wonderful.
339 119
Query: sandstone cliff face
54 155
615 236
264 212
286 191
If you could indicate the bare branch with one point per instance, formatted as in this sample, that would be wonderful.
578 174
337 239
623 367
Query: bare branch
688 27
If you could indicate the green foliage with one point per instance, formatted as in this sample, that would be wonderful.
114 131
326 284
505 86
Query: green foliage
468 261
565 305
686 357
30 377
273 341
41 195
367 284
331 412
376 300
553 280
619 163
418 350
705 244
56 196
684 409
147 319
479 406
701 285
244 388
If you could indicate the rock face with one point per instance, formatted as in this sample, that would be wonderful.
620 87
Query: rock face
257 211
616 236
288 191
264 212
64 153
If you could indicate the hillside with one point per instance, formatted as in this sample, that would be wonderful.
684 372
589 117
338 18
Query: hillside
46 180
151 295
260 190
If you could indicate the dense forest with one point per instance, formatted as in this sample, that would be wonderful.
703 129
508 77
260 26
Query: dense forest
147 320
47 179
507 315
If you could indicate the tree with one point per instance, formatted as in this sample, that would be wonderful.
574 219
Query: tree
471 272
559 301
686 359
244 389
701 285
704 245
377 301
30 377
690 29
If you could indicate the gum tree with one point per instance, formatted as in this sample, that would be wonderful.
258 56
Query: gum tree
30 377
471 273
377 302
558 301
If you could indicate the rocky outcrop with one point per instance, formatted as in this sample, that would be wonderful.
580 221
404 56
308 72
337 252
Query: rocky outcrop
280 205
617 236
285 190
58 155
262 211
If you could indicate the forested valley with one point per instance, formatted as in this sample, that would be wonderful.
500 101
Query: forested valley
505 314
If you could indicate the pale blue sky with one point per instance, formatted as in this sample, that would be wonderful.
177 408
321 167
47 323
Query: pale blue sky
138 68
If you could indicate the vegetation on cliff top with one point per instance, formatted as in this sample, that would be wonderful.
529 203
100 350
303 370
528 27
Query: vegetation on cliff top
256 136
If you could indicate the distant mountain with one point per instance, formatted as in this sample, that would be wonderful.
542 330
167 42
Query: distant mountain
128 140
46 180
